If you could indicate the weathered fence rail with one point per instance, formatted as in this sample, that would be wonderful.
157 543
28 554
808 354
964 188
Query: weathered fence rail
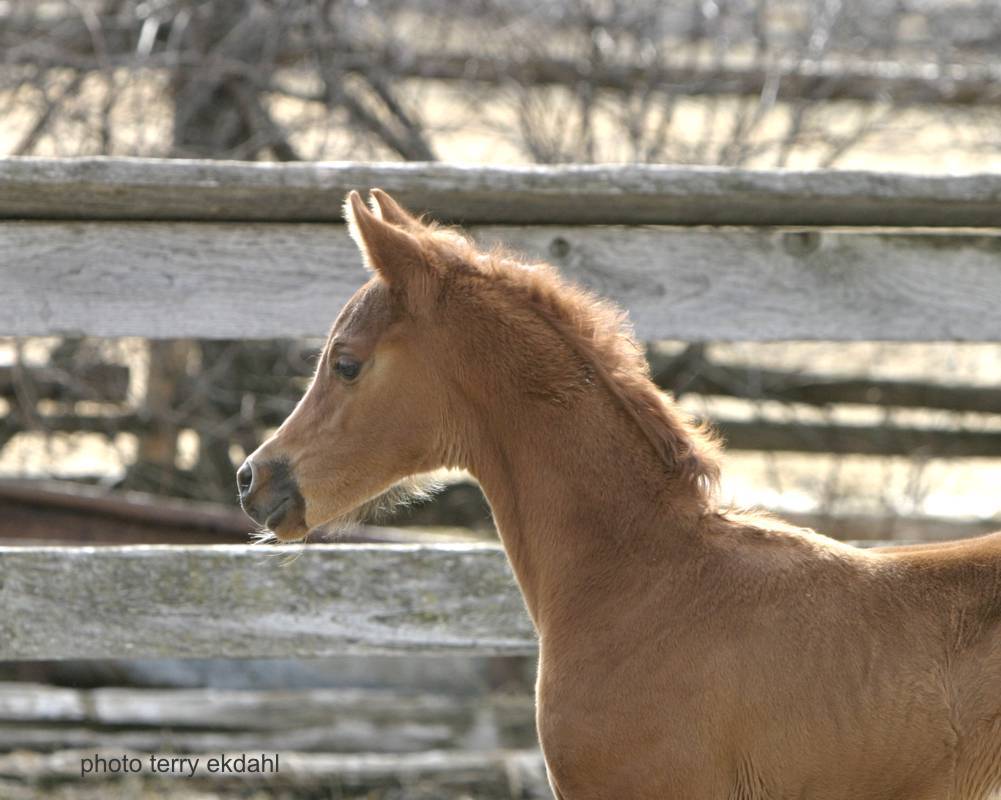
579 194
486 775
213 280
236 601
316 719
792 437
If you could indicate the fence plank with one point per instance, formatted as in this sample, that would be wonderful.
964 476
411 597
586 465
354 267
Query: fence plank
232 601
236 601
901 83
443 773
107 383
340 720
224 280
120 188
694 374
792 437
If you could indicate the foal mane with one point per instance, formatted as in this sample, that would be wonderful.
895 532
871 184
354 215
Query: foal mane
599 332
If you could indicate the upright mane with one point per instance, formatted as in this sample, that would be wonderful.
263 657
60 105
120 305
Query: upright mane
599 332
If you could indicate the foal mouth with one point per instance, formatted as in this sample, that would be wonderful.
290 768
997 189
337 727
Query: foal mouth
277 514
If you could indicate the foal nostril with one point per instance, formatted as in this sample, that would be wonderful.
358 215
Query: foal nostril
245 479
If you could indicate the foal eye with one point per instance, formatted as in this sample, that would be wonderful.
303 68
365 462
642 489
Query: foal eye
347 368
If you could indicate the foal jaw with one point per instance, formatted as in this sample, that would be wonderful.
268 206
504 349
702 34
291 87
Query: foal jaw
405 492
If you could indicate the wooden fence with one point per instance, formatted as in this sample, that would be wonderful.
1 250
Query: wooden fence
215 250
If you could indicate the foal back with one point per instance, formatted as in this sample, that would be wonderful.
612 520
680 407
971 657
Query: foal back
870 674
959 585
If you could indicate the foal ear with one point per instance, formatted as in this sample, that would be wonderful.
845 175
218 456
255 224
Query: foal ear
392 212
387 249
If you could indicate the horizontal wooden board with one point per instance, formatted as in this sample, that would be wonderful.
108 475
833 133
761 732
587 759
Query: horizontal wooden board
107 383
250 280
898 82
870 440
122 188
755 434
687 373
232 601
202 720
486 775
235 709
342 734
236 601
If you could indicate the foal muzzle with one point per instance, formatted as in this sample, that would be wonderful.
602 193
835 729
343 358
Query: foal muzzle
269 493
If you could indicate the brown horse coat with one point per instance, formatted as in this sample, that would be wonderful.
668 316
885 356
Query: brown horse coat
685 652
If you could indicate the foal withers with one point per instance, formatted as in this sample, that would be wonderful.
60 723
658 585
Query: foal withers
684 652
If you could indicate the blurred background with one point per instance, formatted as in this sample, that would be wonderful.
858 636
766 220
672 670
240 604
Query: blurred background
130 441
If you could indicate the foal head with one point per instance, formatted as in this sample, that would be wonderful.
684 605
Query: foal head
440 336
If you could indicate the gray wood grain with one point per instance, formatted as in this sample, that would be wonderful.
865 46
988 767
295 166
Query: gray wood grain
342 720
236 602
214 708
121 188
450 773
342 734
256 280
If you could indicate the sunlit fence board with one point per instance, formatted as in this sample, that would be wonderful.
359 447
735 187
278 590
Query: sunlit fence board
122 188
247 280
240 602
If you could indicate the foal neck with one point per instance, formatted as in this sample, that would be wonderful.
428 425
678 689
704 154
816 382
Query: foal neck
583 503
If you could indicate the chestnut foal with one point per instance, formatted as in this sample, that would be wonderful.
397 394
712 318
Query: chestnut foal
685 652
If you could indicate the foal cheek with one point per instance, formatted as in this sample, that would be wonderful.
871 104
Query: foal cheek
311 435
